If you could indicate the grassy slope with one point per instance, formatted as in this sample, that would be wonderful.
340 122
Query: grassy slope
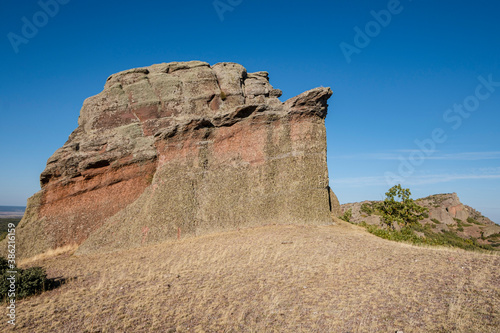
271 279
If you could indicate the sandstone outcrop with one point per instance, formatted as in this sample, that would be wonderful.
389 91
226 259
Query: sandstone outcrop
182 148
445 213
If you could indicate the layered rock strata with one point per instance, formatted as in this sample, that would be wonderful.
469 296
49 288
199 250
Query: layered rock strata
182 149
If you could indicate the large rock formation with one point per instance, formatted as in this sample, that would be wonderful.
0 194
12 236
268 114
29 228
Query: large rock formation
182 148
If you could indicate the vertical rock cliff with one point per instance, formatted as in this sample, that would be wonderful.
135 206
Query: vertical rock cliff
182 148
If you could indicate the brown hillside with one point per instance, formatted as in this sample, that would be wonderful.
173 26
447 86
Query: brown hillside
270 279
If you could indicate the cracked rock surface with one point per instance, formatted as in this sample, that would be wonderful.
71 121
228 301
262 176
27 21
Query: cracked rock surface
182 147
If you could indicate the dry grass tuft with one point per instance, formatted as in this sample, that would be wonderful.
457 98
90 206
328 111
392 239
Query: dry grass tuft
64 250
270 279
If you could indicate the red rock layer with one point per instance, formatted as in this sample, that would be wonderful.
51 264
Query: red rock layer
182 147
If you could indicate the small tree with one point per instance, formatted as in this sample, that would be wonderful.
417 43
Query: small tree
399 207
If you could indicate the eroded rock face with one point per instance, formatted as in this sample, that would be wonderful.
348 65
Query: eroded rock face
182 148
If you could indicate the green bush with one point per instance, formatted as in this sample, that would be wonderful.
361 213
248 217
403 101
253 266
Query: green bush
367 208
33 281
495 235
449 238
473 221
347 216
406 234
435 221
30 281
4 264
400 208
444 238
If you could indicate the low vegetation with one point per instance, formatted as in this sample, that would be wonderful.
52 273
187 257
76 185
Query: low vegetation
402 215
223 95
4 222
347 216
473 221
367 208
399 208
429 237
28 282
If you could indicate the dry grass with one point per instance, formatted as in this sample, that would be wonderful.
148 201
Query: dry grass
270 279
64 250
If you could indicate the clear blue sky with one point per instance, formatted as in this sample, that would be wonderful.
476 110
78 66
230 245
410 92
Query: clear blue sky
406 77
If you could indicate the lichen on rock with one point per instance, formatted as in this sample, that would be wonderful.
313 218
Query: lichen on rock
183 147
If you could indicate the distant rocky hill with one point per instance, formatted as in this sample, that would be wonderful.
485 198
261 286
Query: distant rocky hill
446 213
182 148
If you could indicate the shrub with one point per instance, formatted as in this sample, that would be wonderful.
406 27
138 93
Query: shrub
223 95
4 264
30 281
495 235
33 281
347 216
472 221
435 221
367 208
444 238
400 208
406 234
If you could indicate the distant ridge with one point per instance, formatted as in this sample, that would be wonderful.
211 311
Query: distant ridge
12 211
446 214
12 208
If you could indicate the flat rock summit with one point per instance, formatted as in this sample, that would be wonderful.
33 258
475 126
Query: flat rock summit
178 149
